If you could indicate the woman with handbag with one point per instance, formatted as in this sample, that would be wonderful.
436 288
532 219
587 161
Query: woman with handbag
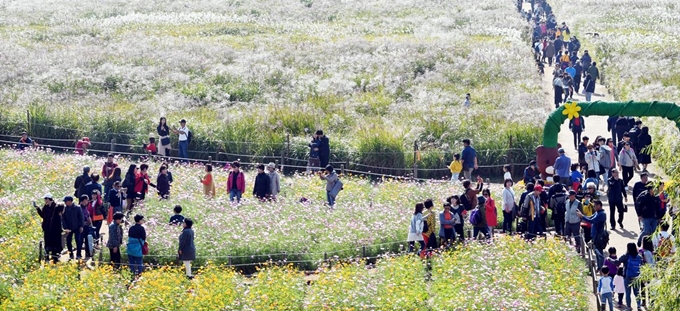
136 246
163 131
96 210
187 250
509 209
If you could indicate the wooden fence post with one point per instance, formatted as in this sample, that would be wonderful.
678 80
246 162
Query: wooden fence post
28 122
217 154
210 160
509 156
113 145
415 160
342 169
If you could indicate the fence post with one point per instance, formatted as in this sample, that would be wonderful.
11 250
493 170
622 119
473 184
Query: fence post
342 169
113 145
217 154
229 260
509 155
28 122
363 251
40 251
415 160
210 160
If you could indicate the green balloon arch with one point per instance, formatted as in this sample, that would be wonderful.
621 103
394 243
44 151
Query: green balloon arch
547 152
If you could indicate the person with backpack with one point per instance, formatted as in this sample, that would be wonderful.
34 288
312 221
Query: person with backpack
577 126
664 241
598 231
647 206
616 194
478 219
183 137
81 182
415 229
469 197
558 208
572 226
632 262
531 211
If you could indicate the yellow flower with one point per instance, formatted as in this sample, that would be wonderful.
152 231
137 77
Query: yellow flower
571 110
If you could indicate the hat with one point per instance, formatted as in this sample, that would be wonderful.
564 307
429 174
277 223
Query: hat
561 150
271 165
533 162
572 192
110 155
182 121
68 198
538 188
481 200
48 196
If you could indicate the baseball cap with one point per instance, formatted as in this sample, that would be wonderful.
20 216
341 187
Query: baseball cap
561 150
572 192
538 188
48 196
68 198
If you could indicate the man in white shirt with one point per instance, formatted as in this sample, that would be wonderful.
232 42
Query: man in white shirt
183 133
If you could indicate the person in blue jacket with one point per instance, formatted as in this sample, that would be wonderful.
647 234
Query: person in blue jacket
563 167
598 221
136 240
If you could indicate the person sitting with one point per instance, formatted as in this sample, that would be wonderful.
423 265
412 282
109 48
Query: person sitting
25 142
177 219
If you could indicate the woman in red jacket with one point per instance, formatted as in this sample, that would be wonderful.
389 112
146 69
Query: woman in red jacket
491 212
236 184
142 182
94 208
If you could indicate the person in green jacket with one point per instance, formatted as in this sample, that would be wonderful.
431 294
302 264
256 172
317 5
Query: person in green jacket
594 72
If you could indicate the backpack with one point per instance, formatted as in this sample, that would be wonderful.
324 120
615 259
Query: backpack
577 121
475 217
633 266
559 207
601 239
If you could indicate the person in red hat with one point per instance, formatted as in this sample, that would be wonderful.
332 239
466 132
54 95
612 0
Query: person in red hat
82 145
531 210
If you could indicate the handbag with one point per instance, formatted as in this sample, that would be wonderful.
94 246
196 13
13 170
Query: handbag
145 248
165 141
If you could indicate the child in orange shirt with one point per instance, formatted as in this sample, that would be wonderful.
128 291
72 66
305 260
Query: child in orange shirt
208 183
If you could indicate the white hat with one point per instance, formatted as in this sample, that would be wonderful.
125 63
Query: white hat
271 165
48 196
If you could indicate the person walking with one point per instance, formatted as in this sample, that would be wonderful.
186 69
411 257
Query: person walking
236 182
572 225
187 249
163 131
115 239
606 157
88 231
110 180
275 186
644 141
469 159
530 172
50 214
491 213
589 87
116 198
558 87
129 186
558 207
509 205
531 211
109 166
183 134
324 148
208 182
577 126
333 185
586 60
627 162
481 225
97 213
592 158
135 245
647 207
616 194
549 53
594 72
262 184
455 167
632 263
73 223
562 166
598 222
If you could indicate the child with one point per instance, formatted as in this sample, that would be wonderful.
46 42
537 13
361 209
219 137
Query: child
82 145
162 183
207 181
610 262
576 178
314 162
177 219
491 211
455 167
151 147
187 250
605 289
506 172
115 239
619 288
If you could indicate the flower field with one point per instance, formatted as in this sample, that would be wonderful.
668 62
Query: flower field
375 76
507 275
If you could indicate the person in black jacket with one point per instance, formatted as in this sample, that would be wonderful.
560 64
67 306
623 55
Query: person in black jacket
261 189
116 197
81 182
616 194
129 185
622 128
162 183
647 207
51 226
73 223
93 185
640 186
324 148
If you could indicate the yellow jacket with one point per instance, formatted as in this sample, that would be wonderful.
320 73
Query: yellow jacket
456 166
565 58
